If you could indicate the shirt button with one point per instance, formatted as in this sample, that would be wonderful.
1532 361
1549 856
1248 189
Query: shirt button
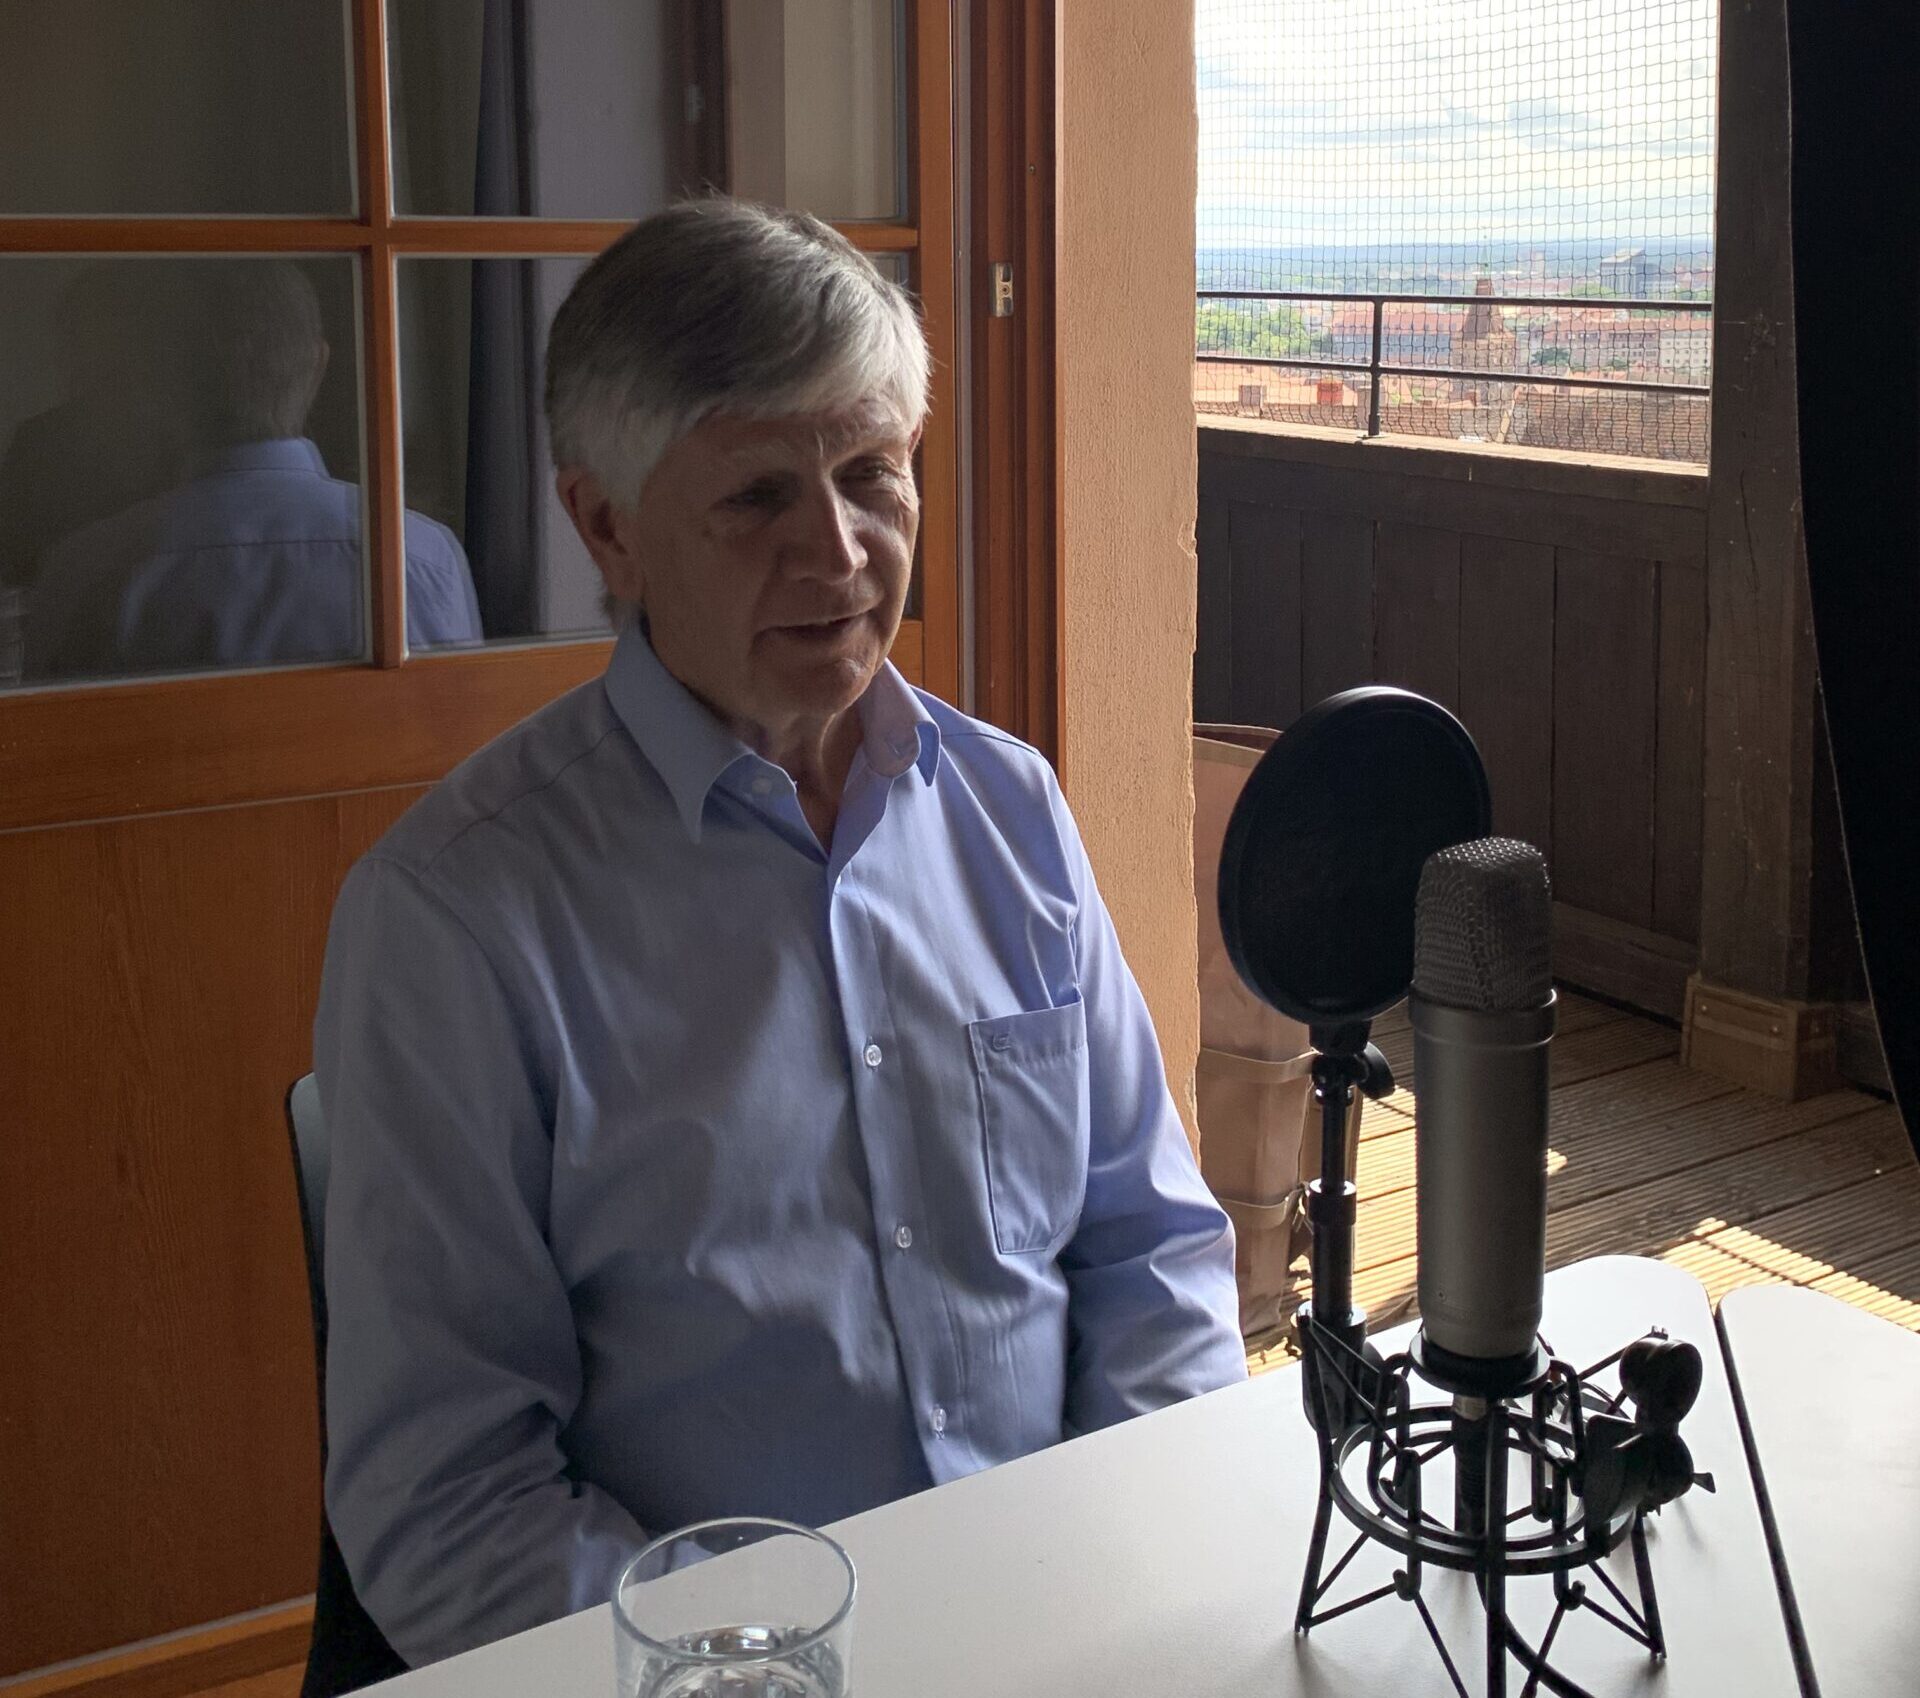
903 1236
762 785
938 1417
873 1055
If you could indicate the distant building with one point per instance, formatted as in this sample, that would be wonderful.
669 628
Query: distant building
1278 394
1626 274
1686 350
1641 425
1485 342
1411 333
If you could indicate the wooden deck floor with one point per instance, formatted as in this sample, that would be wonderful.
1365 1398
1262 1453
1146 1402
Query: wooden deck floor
1650 1159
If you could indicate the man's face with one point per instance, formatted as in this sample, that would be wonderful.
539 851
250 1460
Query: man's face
771 557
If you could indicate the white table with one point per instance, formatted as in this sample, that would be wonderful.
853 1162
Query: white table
1832 1401
1164 1557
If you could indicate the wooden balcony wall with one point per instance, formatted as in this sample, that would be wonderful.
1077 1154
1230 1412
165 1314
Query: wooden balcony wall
1558 606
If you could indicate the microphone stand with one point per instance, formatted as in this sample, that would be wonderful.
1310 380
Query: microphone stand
1363 1416
1339 1371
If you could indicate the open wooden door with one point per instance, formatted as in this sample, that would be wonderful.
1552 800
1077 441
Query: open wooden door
433 173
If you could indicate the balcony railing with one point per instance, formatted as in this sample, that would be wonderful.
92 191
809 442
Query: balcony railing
1376 367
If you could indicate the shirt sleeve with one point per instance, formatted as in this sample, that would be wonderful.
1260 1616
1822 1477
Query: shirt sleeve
1153 1313
453 1365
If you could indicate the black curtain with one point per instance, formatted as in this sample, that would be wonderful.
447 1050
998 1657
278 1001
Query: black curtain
502 397
1856 260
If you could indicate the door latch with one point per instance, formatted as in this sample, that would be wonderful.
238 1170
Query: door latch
1002 275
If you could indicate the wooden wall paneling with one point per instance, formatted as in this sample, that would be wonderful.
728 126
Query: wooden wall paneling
1487 466
1506 678
1679 732
1613 756
1605 524
1336 605
1416 618
1604 702
160 976
1213 636
1264 543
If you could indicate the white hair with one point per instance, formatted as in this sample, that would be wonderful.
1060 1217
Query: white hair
720 306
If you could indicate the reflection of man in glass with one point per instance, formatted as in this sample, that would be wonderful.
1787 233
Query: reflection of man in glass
258 558
739 1100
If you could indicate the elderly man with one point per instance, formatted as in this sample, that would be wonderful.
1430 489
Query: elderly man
740 1103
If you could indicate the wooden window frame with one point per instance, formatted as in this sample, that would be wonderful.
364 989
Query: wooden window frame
111 748
1015 437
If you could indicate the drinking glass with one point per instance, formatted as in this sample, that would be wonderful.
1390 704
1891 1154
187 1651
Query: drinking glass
737 1608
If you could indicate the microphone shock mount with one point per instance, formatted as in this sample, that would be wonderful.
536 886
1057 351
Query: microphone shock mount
1600 1447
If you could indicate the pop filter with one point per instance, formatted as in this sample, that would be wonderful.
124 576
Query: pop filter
1324 850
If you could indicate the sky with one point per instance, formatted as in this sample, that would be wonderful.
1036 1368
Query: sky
1406 122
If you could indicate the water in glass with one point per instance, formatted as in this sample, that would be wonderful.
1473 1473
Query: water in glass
812 1672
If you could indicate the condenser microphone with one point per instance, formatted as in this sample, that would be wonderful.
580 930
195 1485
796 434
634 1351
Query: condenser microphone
1482 1010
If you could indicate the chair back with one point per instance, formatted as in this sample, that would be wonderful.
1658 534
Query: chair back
347 1650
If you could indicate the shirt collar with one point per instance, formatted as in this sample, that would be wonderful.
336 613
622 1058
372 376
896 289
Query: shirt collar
692 751
282 454
682 741
896 730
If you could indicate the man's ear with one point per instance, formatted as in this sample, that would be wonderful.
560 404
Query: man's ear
604 528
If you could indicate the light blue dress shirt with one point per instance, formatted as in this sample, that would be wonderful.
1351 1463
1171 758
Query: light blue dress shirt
683 1167
257 561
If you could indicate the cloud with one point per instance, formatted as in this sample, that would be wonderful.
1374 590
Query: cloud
1450 120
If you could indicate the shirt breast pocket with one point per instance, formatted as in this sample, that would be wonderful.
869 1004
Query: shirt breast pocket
1031 1070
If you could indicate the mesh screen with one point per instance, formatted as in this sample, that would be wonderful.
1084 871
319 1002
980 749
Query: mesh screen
1483 927
1544 159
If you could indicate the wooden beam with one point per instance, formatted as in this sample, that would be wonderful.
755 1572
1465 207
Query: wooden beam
1629 963
182 235
1756 869
1490 465
1015 440
472 237
182 1663
234 738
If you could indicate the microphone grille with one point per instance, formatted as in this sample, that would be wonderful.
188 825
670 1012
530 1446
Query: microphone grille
1483 927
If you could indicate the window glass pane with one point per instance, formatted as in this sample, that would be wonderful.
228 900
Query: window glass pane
473 338
192 106
578 109
1525 190
179 467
